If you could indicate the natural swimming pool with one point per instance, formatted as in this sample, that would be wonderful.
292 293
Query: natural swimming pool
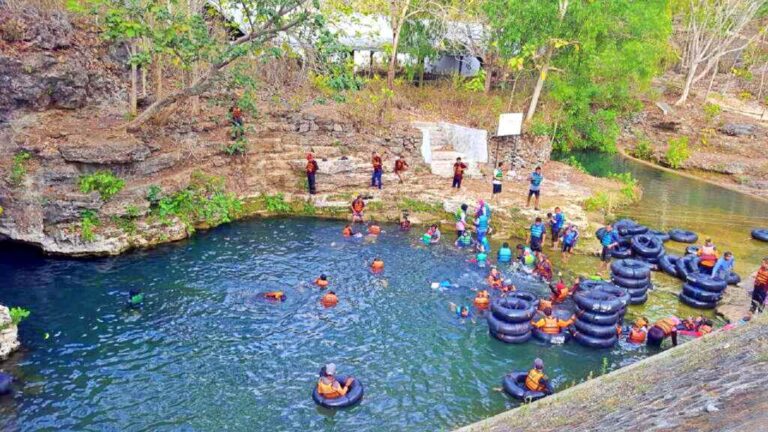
205 353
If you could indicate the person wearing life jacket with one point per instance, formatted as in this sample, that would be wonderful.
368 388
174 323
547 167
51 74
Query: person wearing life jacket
405 223
544 304
543 266
322 281
536 235
638 332
704 326
570 237
482 299
135 298
661 329
481 225
560 292
536 380
556 225
707 256
505 253
328 387
481 258
374 229
274 295
526 257
464 241
434 234
357 207
760 289
347 231
461 220
377 265
494 278
550 324
534 189
311 170
329 299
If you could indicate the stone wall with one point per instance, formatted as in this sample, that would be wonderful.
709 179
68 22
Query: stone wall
523 153
9 335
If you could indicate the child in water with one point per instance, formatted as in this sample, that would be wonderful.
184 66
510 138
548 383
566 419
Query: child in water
432 235
377 265
322 281
405 224
135 298
462 312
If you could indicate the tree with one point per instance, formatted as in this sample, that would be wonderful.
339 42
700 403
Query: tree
419 41
714 28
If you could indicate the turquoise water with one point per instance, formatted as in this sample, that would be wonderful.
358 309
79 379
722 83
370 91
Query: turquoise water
206 353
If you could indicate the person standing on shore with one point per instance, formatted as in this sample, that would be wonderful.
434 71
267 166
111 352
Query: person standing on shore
311 171
400 166
498 176
458 173
760 288
535 178
609 240
377 170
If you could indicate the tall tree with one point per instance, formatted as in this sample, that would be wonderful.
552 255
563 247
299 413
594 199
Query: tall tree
714 28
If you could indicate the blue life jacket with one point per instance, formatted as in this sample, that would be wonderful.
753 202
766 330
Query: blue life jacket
536 179
465 240
505 255
609 238
559 221
570 237
537 230
482 223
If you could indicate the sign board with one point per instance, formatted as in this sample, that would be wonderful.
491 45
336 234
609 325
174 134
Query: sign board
510 124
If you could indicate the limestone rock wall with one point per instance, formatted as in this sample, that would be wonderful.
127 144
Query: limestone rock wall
9 335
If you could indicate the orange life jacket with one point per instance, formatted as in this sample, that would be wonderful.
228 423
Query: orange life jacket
636 335
328 391
543 304
274 295
761 280
377 265
482 298
549 325
705 329
329 300
347 232
533 380
358 205
374 229
562 296
666 324
708 256
321 283
495 281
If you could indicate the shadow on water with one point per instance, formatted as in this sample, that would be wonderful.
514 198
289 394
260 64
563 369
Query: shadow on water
206 353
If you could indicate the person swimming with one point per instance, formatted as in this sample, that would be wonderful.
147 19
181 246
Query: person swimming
329 299
274 296
377 265
135 298
347 232
322 281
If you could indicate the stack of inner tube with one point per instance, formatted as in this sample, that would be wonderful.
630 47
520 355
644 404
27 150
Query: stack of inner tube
623 249
667 264
683 236
634 276
702 291
510 319
647 247
600 311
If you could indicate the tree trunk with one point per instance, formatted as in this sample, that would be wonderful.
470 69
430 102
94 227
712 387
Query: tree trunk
393 58
143 82
688 82
539 84
512 93
422 66
133 108
158 77
711 81
762 80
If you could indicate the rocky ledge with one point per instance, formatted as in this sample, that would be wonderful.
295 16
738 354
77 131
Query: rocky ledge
9 334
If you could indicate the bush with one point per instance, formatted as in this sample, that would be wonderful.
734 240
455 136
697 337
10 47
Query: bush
104 182
88 221
18 314
19 168
629 188
598 201
237 147
276 203
678 152
711 111
572 161
643 149
153 194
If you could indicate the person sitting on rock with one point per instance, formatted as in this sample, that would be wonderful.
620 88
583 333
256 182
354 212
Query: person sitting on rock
536 380
328 387
550 324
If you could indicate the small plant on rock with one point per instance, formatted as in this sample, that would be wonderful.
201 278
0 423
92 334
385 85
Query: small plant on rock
105 183
18 314
237 147
19 168
643 149
678 152
276 203
88 222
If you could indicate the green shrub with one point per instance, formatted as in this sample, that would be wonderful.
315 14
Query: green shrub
678 152
643 149
153 194
476 83
18 314
598 201
308 208
629 188
19 168
711 111
88 221
276 203
572 161
237 147
103 182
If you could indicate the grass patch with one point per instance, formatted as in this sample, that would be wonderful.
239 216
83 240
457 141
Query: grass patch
419 206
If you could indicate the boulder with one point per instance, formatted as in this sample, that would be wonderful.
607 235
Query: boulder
738 129
116 151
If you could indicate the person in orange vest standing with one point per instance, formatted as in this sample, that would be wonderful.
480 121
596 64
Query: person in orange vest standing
760 289
311 171
377 170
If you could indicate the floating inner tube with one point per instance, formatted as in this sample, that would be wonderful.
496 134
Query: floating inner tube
696 303
353 396
630 268
556 339
598 331
524 295
513 310
514 385
667 264
692 250
636 300
760 234
511 339
496 325
606 299
733 279
683 236
664 237
631 283
706 282
697 293
599 318
593 342
5 383
647 245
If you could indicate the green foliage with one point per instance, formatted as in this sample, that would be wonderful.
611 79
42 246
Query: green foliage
598 201
572 161
711 111
88 222
203 201
540 128
629 188
237 147
18 314
276 204
335 68
418 206
104 182
19 168
417 39
308 208
678 152
643 149
476 83
153 194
